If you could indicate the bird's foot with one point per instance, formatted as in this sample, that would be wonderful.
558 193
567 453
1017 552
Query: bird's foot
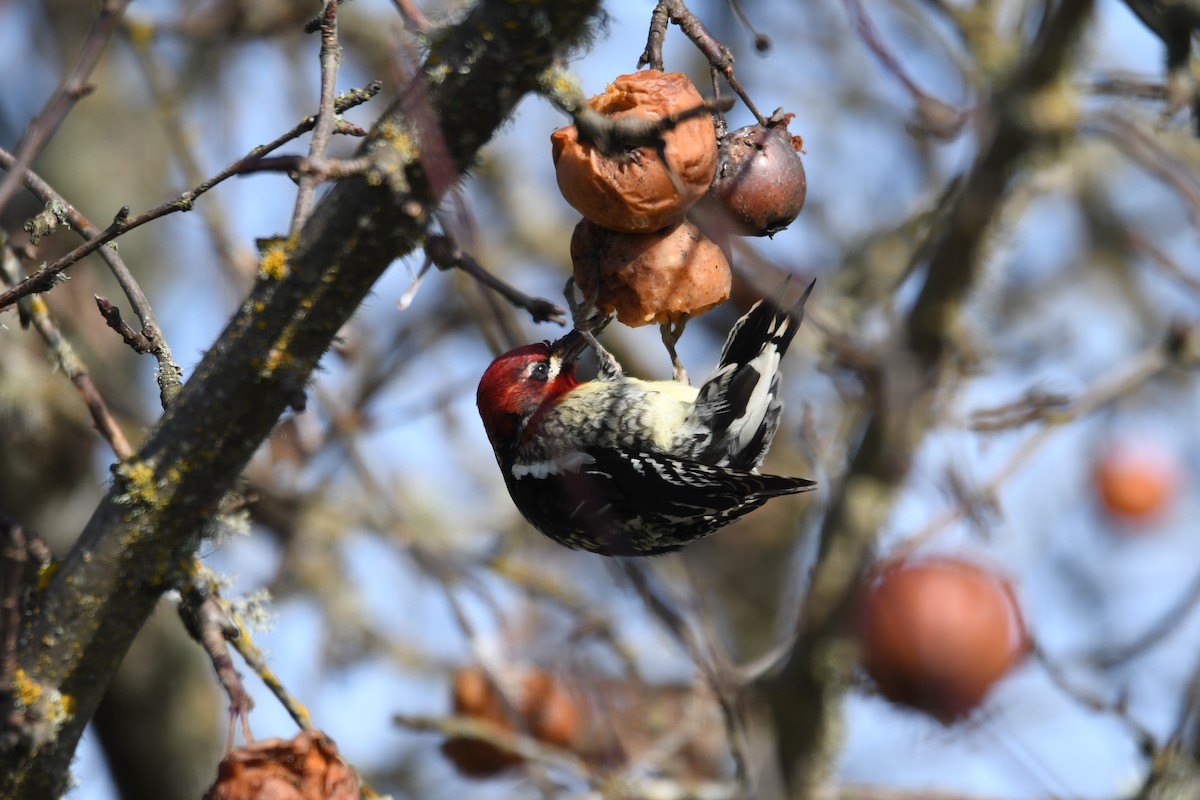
588 320
671 331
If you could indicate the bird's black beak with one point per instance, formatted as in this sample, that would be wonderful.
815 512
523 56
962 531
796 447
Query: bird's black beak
569 347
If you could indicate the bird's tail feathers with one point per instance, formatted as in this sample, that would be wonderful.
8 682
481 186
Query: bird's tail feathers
766 321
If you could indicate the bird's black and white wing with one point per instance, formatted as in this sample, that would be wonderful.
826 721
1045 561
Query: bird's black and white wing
618 502
737 409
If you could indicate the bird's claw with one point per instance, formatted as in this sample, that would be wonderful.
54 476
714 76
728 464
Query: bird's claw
589 321
584 314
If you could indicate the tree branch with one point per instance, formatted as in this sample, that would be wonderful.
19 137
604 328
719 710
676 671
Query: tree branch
140 539
73 87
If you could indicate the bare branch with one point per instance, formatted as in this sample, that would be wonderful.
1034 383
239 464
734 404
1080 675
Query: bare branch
331 56
509 741
112 317
1138 145
64 355
43 278
718 55
74 86
208 621
444 253
169 373
1176 349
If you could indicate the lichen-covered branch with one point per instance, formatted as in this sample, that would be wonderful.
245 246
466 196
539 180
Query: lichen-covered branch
141 537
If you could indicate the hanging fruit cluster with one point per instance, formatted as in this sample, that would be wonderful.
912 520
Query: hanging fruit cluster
636 253
307 767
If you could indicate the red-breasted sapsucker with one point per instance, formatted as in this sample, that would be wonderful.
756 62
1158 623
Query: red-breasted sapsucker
622 466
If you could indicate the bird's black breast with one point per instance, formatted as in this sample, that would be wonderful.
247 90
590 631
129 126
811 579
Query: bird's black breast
582 510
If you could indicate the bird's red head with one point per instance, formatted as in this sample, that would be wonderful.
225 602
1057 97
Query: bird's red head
523 382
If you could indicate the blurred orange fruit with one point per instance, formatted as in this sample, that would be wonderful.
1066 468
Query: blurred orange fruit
544 707
1136 481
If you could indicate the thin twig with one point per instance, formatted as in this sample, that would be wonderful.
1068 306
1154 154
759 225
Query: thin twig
1126 87
1159 257
64 355
718 55
1035 405
1138 145
43 278
445 254
652 56
74 86
762 42
323 129
253 657
934 115
169 373
207 619
536 582
1088 699
616 136
446 576
1115 655
509 741
721 681
112 318
314 169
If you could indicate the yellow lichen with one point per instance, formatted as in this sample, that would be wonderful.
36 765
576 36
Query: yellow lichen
405 146
278 358
26 692
41 702
272 259
140 32
45 573
561 83
140 486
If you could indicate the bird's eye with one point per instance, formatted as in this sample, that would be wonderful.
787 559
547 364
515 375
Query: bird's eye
540 371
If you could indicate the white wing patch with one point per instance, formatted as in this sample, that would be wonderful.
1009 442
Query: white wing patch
742 430
566 462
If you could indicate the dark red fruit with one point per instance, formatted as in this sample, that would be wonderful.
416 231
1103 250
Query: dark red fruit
760 180
936 634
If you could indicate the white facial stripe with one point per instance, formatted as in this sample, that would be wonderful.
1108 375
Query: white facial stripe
566 462
553 367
